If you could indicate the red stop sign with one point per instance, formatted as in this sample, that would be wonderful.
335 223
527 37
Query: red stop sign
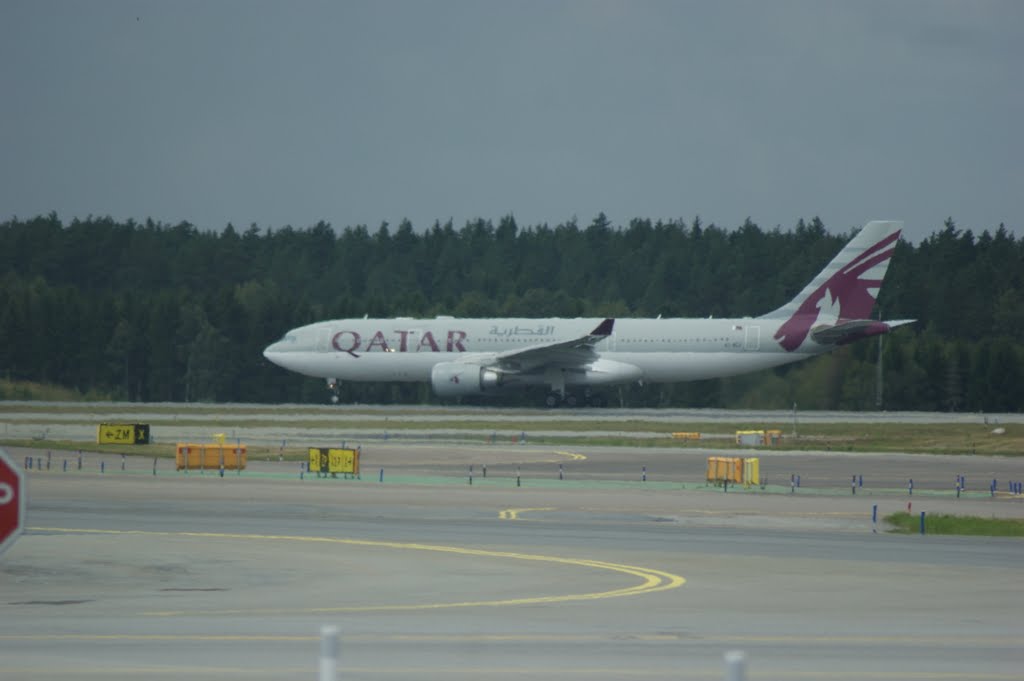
12 502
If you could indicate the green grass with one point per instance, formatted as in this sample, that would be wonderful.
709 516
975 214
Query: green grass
951 524
29 391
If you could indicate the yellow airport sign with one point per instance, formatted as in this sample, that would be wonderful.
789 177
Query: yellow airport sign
324 460
122 434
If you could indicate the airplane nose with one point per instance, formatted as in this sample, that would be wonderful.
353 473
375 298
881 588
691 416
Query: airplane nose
272 355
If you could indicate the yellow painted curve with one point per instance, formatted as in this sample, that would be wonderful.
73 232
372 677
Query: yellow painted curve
651 581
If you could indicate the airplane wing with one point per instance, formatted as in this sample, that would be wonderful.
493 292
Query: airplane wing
850 330
574 352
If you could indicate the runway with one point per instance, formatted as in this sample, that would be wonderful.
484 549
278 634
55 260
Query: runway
196 576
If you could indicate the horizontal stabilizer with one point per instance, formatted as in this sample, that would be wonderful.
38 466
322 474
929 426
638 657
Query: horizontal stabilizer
854 329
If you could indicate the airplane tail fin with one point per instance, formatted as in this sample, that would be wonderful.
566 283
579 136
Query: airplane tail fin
845 290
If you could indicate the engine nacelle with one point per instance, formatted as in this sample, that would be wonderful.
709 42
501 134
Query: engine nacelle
458 379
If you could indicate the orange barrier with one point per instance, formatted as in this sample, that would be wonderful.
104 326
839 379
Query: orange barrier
202 456
722 468
734 469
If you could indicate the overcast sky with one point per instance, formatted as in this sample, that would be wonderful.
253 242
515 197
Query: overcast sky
278 113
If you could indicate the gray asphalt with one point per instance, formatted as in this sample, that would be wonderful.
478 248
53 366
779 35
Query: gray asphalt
129 575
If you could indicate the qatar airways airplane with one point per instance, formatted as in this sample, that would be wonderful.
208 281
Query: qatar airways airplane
575 358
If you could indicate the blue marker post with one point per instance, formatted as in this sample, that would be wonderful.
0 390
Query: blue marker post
860 481
122 461
48 454
103 466
797 480
470 474
792 484
561 473
643 475
853 486
519 479
381 478
65 465
874 519
485 470
910 487
922 522
154 465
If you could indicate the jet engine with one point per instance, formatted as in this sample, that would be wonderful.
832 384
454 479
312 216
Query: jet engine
457 379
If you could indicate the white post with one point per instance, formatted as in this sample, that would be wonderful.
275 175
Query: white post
328 653
735 665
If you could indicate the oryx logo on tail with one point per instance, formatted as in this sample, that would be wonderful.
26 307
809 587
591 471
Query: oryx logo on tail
843 291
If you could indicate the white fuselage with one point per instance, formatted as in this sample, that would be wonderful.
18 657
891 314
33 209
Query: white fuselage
465 357
663 350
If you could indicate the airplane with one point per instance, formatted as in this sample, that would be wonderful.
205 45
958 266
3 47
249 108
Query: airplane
575 358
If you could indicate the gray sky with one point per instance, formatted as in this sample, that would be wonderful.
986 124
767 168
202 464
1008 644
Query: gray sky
243 111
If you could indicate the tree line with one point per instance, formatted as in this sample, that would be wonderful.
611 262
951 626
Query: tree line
145 311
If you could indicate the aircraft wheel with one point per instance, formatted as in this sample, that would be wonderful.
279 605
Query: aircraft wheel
597 401
552 400
571 400
332 385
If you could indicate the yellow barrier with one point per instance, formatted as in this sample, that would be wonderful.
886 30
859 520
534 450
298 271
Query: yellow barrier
773 438
202 456
751 472
686 436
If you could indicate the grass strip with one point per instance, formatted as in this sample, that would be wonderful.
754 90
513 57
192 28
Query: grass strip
941 523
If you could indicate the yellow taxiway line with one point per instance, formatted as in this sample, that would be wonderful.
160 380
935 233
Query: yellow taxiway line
651 581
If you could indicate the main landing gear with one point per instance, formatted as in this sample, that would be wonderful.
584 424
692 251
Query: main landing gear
556 399
332 385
